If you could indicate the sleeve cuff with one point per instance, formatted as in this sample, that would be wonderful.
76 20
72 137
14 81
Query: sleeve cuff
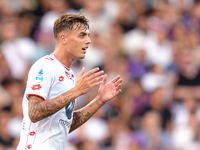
27 96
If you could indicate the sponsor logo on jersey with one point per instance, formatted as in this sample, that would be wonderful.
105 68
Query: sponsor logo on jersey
69 75
39 75
61 78
36 87
69 109
65 123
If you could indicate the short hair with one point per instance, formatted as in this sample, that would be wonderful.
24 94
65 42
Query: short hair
68 22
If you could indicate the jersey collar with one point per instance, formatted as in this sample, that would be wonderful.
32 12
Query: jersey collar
52 55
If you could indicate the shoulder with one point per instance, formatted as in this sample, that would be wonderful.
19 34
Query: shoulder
44 63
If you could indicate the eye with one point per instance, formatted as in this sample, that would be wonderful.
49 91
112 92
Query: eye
82 34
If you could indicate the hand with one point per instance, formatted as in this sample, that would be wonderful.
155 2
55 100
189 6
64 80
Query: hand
86 82
109 90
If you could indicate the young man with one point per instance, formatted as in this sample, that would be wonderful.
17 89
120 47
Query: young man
51 90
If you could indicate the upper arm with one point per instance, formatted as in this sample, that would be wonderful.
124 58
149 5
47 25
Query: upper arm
34 104
39 80
34 98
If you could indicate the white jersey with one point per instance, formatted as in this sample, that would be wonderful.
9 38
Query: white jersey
48 78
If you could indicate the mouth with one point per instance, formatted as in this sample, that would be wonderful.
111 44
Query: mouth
84 49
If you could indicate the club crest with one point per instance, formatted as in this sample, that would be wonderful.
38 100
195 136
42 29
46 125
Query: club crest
69 75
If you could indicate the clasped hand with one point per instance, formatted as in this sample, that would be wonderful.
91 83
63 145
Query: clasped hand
94 78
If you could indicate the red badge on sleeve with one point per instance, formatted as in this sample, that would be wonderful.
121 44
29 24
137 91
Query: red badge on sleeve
36 87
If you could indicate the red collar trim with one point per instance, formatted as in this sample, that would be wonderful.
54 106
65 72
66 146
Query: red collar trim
68 69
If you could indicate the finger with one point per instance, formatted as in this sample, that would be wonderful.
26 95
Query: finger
118 82
97 79
104 79
116 78
118 87
95 75
81 73
96 83
119 91
91 72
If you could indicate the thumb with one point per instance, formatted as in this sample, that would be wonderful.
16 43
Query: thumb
81 73
104 79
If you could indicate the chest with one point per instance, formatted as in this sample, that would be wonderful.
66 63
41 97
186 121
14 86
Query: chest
62 82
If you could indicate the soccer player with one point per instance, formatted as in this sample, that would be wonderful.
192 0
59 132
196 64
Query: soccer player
51 89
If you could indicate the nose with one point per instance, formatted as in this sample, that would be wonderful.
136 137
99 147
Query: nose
88 40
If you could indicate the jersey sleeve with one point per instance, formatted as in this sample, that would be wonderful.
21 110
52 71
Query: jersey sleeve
40 79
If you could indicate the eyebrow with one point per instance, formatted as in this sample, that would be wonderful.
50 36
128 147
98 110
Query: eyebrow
85 33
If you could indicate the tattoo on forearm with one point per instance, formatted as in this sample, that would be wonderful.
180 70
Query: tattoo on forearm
41 110
88 114
77 120
96 102
82 115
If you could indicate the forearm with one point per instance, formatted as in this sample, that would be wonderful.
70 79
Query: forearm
82 115
183 92
39 110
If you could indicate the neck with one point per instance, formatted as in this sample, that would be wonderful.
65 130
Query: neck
63 57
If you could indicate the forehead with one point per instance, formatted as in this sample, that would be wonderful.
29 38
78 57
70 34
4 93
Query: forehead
79 28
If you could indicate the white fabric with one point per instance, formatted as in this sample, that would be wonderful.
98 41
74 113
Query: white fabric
100 23
158 54
95 129
182 137
19 54
152 81
14 126
134 40
48 78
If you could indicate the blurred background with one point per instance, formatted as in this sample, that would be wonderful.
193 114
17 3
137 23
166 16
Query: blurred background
153 44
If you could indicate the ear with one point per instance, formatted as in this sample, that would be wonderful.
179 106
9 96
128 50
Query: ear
63 39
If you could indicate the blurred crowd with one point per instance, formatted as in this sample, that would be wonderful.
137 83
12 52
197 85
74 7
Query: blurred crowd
153 44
